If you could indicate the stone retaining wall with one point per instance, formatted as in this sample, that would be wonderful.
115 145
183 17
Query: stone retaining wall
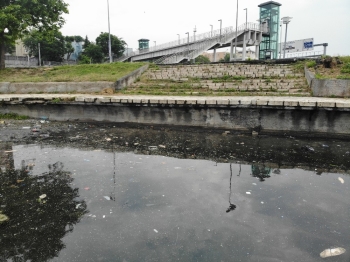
327 87
238 114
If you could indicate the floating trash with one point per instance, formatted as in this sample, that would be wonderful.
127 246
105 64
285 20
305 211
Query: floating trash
107 197
248 193
152 148
341 180
86 188
42 196
108 139
331 252
3 218
155 230
162 146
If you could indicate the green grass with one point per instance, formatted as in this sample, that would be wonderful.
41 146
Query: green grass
76 73
12 116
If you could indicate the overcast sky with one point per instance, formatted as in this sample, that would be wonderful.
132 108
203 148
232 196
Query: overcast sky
324 20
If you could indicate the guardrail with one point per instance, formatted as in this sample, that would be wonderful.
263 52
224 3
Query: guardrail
211 35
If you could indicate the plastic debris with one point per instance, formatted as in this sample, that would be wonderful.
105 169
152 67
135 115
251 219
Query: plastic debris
152 148
107 197
86 188
308 148
248 193
26 127
42 196
155 230
341 180
324 145
331 252
162 146
108 139
77 206
10 151
3 218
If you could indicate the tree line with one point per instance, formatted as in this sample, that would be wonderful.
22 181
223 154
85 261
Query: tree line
39 22
54 46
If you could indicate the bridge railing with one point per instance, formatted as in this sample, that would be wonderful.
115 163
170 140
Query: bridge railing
221 35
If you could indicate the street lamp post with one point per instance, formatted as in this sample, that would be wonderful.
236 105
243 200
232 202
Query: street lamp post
155 43
286 21
194 33
281 41
39 54
188 43
211 34
236 31
220 27
178 35
109 36
246 17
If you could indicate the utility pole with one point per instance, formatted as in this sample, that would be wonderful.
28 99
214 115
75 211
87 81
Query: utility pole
109 36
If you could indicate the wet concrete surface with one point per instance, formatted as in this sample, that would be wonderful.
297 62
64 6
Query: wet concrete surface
101 192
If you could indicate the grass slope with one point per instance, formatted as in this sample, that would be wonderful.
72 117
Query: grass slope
76 73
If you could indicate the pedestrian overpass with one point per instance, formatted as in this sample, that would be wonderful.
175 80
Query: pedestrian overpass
186 49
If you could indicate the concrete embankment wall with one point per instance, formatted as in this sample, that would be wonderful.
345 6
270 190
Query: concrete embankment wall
327 87
245 114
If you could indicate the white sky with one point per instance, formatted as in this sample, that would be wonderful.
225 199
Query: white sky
327 21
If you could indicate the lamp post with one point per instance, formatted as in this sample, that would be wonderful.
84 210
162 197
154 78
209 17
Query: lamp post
194 33
188 43
236 31
281 41
155 43
211 34
246 17
109 36
286 21
178 35
220 27
39 54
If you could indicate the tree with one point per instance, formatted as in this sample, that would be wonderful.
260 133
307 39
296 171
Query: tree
86 42
226 58
76 38
117 44
18 16
201 59
40 210
52 47
69 49
94 52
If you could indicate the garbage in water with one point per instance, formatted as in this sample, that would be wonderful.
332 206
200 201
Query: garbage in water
341 180
10 151
331 252
86 188
308 148
152 148
324 145
42 196
3 218
248 193
155 230
108 139
162 146
26 127
77 206
107 197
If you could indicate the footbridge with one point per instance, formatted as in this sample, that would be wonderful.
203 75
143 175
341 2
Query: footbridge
186 49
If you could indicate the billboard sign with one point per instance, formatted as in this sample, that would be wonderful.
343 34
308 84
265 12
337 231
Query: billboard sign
299 45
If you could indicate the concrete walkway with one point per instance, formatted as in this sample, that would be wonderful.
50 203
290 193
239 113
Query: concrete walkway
270 101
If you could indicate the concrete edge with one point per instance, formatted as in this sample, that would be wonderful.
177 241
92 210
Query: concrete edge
130 78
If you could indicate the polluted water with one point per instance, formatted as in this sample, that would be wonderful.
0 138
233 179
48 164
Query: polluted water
103 192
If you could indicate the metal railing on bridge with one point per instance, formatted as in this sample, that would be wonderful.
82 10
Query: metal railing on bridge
218 35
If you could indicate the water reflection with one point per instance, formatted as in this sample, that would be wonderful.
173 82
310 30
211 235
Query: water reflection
260 171
231 206
41 209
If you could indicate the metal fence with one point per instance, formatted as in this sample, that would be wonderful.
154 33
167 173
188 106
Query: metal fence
25 61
